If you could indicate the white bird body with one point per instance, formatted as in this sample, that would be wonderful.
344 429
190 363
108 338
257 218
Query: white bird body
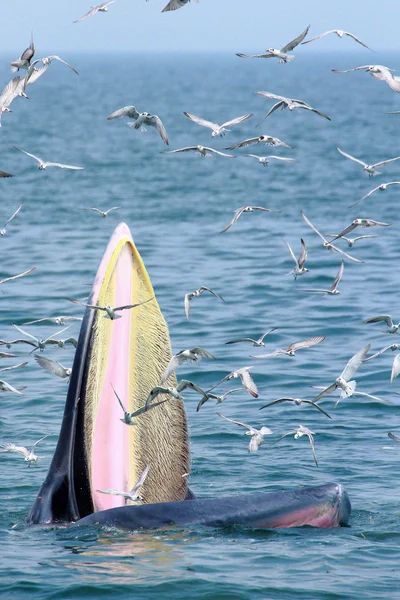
282 54
43 165
29 455
203 151
103 7
299 268
246 379
267 140
195 294
192 355
215 128
133 495
264 160
257 435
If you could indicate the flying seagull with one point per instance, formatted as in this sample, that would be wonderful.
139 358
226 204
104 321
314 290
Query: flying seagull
133 495
259 342
340 33
297 402
219 399
29 455
298 433
129 417
289 103
43 165
101 212
17 276
54 367
217 129
141 119
292 349
299 268
343 382
264 160
37 343
379 72
192 355
34 72
3 175
392 327
175 392
329 245
61 320
257 435
175 4
282 55
396 360
370 169
352 241
382 187
245 209
189 297
267 140
203 151
360 223
245 378
112 312
24 60
4 230
12 90
95 9
333 290
6 387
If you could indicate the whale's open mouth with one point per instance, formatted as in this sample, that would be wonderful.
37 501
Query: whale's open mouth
95 449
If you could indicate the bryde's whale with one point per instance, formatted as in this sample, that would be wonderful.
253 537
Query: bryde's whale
96 450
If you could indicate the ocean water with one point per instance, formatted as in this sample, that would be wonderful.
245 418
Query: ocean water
176 206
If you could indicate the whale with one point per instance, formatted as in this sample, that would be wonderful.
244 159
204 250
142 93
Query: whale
96 450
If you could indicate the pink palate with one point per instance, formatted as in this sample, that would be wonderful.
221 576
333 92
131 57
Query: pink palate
309 516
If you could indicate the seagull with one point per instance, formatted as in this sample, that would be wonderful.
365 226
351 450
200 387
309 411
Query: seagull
3 174
7 355
17 276
14 367
289 103
343 382
292 349
61 320
129 417
29 455
245 378
393 437
217 129
264 160
259 342
340 33
329 245
381 188
126 111
261 139
64 342
355 393
392 327
175 4
360 223
34 73
175 392
43 165
298 433
299 268
24 60
12 90
133 495
282 55
101 212
38 344
333 290
245 209
193 355
95 9
297 402
6 387
54 367
4 230
219 399
351 241
370 169
203 151
195 294
378 72
396 360
152 121
111 311
257 435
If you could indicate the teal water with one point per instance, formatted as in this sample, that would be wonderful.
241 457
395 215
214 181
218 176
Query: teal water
176 206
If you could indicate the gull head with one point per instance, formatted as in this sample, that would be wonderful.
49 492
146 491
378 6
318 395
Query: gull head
3 232
340 33
273 51
31 458
42 167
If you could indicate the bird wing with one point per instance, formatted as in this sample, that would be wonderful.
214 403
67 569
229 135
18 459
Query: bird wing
360 162
4 174
385 162
363 68
173 364
126 111
219 153
307 343
237 120
86 305
202 353
91 12
206 289
312 444
91 208
303 255
55 57
26 333
36 73
53 335
264 335
317 37
338 277
184 383
240 340
128 306
317 407
62 166
12 216
111 209
234 219
280 158
340 251
117 397
355 38
345 231
14 367
355 362
292 45
143 409
312 109
38 442
39 160
275 107
264 55
312 226
235 422
14 448
187 305
154 393
187 149
248 382
386 318
174 5
395 368
18 276
278 401
393 437
110 491
52 366
366 196
140 481
155 121
243 144
201 121
275 353
378 353
325 392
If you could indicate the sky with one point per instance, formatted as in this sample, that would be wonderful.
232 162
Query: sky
210 25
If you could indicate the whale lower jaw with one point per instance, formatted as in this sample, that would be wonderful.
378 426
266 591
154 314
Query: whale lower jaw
322 506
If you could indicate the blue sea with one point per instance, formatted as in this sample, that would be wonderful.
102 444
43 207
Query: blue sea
176 206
